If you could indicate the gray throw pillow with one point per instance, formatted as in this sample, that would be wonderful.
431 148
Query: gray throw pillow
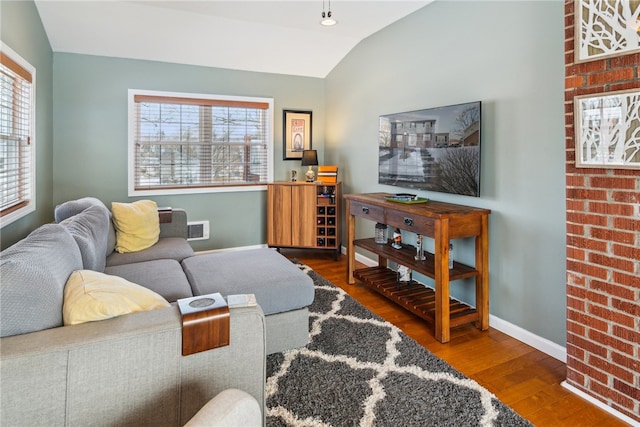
34 272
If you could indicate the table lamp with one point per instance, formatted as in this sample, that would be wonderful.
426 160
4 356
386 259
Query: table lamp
310 158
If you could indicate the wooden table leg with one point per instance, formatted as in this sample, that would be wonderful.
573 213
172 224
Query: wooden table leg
382 261
351 250
482 279
442 318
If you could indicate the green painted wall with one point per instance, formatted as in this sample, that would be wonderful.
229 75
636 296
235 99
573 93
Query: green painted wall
509 55
21 30
90 128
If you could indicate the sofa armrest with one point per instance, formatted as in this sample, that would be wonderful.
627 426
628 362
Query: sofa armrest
178 225
126 370
230 408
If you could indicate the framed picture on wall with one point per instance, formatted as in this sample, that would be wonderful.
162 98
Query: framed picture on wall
608 130
296 133
606 28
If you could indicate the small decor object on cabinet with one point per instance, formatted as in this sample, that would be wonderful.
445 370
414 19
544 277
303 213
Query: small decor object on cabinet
296 134
310 158
397 239
294 175
328 174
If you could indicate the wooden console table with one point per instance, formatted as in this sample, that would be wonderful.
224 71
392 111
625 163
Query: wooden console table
441 222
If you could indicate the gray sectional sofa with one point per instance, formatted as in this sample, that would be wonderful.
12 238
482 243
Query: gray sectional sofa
128 370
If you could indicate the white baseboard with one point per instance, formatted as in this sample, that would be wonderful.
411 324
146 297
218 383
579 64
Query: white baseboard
539 343
366 261
600 404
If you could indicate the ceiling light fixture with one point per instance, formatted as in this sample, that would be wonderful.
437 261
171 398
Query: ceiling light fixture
326 17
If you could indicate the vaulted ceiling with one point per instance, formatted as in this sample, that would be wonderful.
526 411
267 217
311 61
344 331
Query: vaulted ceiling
283 37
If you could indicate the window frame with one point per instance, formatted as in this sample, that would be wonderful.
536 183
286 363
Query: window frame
28 205
131 145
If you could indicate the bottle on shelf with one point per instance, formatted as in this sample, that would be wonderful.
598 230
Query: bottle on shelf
419 251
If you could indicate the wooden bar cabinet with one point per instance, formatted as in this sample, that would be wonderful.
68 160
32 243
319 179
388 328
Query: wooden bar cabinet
304 215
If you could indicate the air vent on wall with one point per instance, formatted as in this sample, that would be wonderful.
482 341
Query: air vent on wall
198 230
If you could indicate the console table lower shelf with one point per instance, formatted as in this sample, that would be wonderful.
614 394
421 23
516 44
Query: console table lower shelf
414 296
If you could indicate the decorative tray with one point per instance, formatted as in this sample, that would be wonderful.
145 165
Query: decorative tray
406 198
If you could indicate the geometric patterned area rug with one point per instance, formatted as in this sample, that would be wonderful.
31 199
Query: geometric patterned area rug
359 370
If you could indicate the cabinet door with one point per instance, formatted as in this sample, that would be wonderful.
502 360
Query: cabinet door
279 215
303 215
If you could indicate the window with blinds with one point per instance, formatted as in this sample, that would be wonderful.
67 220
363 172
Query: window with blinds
17 151
198 143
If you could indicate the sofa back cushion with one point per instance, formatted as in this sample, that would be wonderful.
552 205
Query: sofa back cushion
90 229
74 207
34 272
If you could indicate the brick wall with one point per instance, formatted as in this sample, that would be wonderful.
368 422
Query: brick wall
603 248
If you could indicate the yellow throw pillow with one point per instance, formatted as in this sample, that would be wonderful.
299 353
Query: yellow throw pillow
90 296
137 225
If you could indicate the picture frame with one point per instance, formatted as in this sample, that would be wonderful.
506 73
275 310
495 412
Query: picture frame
605 28
607 130
296 133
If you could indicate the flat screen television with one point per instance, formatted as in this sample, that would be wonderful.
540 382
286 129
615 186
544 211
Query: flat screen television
436 149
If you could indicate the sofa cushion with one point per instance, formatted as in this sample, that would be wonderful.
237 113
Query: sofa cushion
74 207
137 225
90 229
163 276
90 296
175 248
278 285
34 272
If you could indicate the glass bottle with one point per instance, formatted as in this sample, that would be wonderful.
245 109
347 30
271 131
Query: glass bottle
419 251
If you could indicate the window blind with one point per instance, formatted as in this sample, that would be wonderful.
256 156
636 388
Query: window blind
15 135
183 142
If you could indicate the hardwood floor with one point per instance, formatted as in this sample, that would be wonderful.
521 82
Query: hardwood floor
522 377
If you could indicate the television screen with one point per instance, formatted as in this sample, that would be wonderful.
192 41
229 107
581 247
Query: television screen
437 149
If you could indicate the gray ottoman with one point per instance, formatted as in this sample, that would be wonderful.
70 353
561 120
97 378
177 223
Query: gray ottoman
281 289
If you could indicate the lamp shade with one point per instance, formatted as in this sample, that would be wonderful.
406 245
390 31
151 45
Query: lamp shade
309 158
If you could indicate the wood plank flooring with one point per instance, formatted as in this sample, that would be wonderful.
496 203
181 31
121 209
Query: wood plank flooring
522 377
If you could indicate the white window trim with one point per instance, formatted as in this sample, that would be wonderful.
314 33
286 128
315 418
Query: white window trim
132 192
31 205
